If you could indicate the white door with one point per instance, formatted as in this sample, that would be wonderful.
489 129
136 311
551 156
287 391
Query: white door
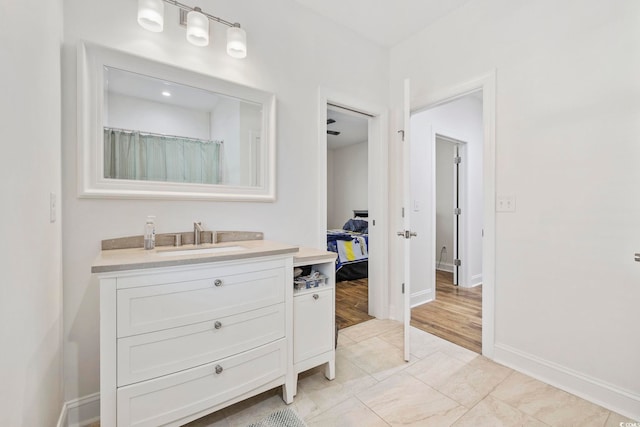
456 214
406 233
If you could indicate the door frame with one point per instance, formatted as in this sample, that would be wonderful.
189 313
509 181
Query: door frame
451 138
377 193
486 83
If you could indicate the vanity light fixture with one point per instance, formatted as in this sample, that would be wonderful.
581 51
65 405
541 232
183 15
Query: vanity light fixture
197 28
151 17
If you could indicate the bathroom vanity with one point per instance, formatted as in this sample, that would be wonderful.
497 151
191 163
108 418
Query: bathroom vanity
184 333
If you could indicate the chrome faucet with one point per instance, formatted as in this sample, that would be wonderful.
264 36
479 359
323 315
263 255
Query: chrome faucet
197 229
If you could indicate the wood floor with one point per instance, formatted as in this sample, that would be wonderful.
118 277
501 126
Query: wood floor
455 315
352 302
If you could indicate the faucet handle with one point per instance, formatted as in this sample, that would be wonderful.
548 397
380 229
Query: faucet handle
177 240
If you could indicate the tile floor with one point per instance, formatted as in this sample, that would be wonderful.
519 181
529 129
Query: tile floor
443 385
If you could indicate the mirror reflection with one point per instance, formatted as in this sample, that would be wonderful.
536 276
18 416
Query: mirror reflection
157 130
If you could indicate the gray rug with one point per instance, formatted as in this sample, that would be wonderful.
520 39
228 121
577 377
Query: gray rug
281 418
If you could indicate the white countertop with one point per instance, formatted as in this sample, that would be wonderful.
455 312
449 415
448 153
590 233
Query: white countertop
138 258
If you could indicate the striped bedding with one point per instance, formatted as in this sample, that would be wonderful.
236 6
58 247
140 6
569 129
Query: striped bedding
351 247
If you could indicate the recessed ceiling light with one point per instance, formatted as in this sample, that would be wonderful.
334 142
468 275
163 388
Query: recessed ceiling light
166 93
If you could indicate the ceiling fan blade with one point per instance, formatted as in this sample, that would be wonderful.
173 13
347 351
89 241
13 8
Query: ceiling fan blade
333 132
329 121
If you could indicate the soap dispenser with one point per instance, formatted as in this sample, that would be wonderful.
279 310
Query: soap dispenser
150 233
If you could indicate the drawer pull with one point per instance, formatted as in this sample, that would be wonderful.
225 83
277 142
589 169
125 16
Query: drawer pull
218 282
217 325
219 369
316 296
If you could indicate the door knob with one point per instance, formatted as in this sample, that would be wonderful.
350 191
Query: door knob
638 257
407 234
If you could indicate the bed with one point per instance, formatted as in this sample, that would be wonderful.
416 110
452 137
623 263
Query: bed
351 243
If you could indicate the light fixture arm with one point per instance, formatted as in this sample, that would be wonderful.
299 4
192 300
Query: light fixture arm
209 16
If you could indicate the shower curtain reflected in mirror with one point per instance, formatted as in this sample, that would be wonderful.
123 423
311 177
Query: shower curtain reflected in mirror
142 156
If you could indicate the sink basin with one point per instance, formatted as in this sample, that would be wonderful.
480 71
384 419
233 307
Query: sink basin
200 251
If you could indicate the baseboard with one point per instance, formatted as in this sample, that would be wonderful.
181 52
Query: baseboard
445 267
624 402
476 280
421 297
80 412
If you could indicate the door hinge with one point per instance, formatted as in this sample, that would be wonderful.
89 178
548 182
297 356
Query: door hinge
402 133
457 211
457 262
402 212
403 288
457 160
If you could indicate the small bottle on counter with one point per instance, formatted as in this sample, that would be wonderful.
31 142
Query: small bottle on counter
150 233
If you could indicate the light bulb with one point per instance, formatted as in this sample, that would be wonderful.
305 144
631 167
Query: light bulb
197 28
151 15
236 42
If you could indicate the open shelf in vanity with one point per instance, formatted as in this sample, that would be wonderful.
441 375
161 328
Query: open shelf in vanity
314 316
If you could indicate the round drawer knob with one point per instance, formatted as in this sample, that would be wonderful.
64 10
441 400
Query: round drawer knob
217 325
218 282
219 369
316 296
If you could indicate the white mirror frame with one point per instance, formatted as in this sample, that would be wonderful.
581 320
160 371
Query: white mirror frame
91 182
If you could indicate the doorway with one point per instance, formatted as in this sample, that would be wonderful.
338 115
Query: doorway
448 204
348 211
376 117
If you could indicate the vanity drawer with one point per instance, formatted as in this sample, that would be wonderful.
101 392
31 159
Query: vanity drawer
170 398
146 356
153 308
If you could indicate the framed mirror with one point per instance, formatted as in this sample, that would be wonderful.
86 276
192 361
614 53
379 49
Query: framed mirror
152 130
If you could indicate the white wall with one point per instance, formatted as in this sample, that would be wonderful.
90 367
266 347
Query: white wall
288 59
31 290
462 120
349 183
567 126
127 112
444 204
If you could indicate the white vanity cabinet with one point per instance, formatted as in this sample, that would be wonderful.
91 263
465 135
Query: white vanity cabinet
314 316
179 342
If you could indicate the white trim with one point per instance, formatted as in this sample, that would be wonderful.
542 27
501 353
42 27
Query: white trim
80 412
445 266
487 84
378 169
62 419
476 280
624 402
421 297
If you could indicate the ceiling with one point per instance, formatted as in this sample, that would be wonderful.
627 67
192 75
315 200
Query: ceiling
150 88
353 128
386 22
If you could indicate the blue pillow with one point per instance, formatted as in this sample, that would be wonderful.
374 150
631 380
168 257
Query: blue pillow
357 225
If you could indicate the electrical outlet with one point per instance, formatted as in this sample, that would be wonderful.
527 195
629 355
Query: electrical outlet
52 207
506 204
